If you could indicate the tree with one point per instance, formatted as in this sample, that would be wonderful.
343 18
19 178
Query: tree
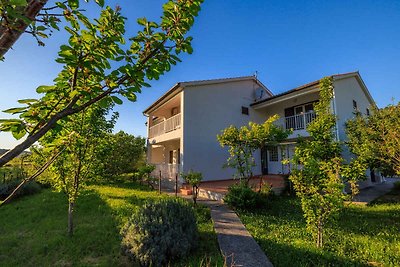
120 153
319 174
96 68
243 142
23 16
375 140
80 137
194 179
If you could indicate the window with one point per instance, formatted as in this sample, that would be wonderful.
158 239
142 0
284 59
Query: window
245 110
355 105
368 113
273 153
174 111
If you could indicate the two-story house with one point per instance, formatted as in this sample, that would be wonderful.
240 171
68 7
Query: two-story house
184 122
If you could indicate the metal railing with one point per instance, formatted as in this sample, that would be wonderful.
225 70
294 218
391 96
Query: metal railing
166 126
300 121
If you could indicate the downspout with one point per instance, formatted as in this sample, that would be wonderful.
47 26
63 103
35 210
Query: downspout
148 151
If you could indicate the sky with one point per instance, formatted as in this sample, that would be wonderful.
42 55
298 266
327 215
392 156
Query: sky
288 43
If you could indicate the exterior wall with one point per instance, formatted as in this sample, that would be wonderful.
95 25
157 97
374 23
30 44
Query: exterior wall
347 90
207 111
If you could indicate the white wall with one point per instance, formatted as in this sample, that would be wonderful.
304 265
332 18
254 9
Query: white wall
347 90
207 110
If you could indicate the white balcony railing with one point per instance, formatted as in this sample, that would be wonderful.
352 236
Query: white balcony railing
168 170
166 126
300 121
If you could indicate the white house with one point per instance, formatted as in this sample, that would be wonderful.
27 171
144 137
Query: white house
184 122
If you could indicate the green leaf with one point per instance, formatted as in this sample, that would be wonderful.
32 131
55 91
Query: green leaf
15 110
142 21
19 134
100 2
74 4
45 88
18 2
116 100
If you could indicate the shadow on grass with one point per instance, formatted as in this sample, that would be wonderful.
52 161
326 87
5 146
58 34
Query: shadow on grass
289 255
34 232
361 234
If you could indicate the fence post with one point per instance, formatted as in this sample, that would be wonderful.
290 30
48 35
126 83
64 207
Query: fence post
176 184
159 183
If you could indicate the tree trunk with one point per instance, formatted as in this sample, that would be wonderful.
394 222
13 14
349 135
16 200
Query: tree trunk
319 235
10 32
70 218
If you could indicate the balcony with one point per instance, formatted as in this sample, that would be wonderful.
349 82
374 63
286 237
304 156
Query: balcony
169 125
299 121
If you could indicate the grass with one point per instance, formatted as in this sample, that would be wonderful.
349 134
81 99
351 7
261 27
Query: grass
33 229
363 235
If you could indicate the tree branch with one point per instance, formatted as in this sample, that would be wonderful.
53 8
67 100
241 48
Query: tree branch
10 34
33 177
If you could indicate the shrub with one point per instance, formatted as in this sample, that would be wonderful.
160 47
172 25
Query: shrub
240 196
160 232
29 188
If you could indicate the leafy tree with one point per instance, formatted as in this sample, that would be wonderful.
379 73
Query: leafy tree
319 173
120 153
194 179
79 137
22 16
375 140
96 68
244 141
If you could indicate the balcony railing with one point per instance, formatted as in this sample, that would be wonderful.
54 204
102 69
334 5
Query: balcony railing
167 170
300 121
166 126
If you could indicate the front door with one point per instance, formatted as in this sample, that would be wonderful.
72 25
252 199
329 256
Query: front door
264 160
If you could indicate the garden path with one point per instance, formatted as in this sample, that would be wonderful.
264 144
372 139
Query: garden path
235 242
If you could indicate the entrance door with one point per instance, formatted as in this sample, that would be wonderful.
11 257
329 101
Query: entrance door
373 178
264 161
274 164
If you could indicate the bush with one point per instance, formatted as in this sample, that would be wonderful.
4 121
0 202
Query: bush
29 188
240 196
160 232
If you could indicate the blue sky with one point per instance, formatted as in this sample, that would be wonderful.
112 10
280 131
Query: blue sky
289 43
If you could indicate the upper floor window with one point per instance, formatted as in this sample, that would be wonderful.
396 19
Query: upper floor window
368 112
355 105
245 110
174 111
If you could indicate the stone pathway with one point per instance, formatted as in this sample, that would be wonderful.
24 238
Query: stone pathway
235 242
368 194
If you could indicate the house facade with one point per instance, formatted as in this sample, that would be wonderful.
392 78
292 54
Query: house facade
183 124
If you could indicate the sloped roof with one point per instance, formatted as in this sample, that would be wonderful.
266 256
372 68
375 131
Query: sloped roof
180 85
315 83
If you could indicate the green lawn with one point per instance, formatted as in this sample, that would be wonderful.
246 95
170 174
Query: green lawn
364 235
33 229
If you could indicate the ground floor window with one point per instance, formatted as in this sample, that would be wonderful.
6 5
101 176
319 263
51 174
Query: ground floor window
273 153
